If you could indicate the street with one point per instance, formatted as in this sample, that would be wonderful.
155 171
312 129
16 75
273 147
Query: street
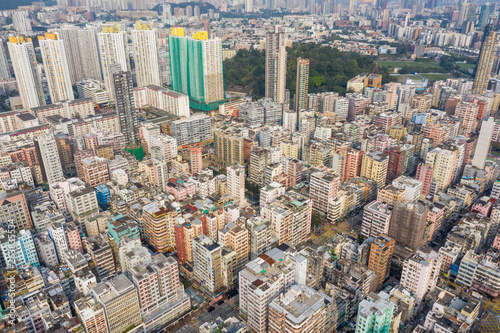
226 310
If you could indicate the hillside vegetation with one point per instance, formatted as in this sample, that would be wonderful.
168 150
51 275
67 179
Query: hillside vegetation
330 69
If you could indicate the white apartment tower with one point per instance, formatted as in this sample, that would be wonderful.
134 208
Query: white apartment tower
213 76
69 35
236 182
157 282
262 280
421 271
48 156
248 6
4 67
22 22
146 56
82 53
58 236
22 55
376 219
89 54
56 68
483 143
113 55
276 65
207 268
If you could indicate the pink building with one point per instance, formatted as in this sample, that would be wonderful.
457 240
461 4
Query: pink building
496 242
384 141
424 174
196 159
180 190
435 217
73 235
483 206
90 141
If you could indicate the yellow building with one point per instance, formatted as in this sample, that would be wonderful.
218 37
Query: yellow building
390 195
229 146
374 167
397 132
289 148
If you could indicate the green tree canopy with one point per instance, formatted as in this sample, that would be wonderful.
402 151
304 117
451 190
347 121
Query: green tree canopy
329 70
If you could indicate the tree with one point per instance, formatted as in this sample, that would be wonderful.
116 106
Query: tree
316 220
329 69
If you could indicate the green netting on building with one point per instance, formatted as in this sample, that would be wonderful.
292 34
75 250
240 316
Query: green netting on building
204 106
137 151
186 71
178 64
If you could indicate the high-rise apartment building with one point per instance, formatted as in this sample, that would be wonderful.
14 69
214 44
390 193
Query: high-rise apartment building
57 234
146 55
163 147
483 143
163 99
125 106
56 67
323 189
95 171
196 68
443 163
469 114
120 302
249 6
262 280
195 158
89 54
46 250
207 267
302 84
376 219
290 217
21 22
353 161
15 209
4 66
236 182
82 203
485 63
48 156
158 226
421 272
374 166
379 261
236 236
229 145
300 309
341 107
161 295
17 247
191 130
22 55
276 65
113 55
260 158
101 254
91 315
375 314
408 224
69 35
